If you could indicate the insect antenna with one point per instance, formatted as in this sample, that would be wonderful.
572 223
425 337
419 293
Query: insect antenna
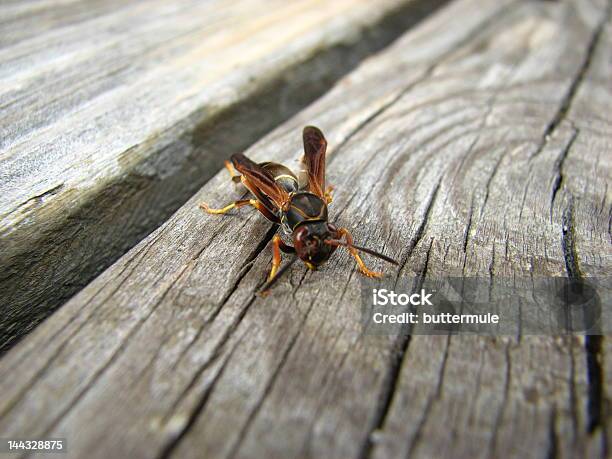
374 253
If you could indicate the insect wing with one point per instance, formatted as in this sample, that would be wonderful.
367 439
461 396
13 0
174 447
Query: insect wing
261 179
315 146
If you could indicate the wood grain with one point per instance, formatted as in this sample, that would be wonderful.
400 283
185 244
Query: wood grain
115 113
473 147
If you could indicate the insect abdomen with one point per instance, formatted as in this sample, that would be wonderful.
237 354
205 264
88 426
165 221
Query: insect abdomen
282 175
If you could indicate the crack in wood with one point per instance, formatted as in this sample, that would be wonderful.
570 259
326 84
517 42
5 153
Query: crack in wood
573 396
553 439
568 240
568 98
248 264
593 348
468 227
595 376
593 343
37 199
427 73
414 441
420 231
389 387
116 354
168 449
504 403
326 378
268 388
559 177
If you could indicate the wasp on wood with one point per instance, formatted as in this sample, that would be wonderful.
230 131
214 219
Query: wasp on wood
300 208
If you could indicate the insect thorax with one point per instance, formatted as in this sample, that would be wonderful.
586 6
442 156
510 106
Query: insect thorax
304 206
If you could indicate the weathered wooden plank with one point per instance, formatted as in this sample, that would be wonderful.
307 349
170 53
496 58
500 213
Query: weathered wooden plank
169 353
531 396
113 116
583 201
21 20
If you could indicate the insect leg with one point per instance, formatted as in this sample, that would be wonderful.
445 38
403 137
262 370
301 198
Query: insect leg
235 204
362 267
276 256
230 168
240 203
278 245
266 287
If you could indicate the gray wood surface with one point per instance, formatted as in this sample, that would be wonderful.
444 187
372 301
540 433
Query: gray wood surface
115 113
477 145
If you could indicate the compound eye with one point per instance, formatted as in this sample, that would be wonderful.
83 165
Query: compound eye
300 237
